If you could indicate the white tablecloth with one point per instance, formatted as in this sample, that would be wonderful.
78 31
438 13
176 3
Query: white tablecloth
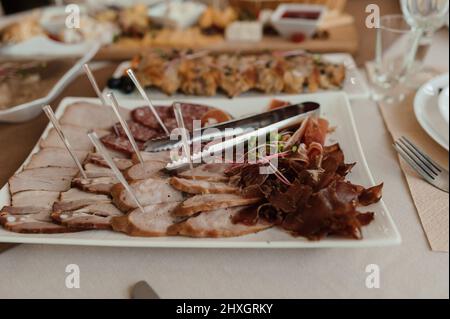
409 270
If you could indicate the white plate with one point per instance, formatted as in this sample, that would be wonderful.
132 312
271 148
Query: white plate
29 110
444 104
355 85
427 111
335 107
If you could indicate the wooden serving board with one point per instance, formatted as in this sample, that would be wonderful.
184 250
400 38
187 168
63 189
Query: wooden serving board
343 37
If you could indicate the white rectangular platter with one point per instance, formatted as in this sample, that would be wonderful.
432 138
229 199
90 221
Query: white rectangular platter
355 85
334 106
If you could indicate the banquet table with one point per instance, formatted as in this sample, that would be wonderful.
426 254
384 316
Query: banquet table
408 270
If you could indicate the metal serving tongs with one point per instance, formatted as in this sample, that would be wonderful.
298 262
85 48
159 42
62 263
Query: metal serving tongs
245 129
239 126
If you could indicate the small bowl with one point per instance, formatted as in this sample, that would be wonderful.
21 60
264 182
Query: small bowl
181 20
291 19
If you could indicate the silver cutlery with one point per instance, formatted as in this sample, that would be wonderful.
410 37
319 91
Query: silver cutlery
142 290
240 126
428 169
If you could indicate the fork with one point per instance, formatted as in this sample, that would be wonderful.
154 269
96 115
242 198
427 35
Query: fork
428 169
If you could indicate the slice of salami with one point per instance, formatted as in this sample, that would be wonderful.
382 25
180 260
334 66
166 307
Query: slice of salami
191 112
144 116
120 143
140 132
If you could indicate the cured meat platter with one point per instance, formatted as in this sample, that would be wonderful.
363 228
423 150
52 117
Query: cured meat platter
379 231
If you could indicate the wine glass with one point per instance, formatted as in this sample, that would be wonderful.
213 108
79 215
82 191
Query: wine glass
425 17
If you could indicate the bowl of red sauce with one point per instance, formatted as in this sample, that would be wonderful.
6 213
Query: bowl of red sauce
293 19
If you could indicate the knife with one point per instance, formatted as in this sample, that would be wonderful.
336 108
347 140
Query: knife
239 126
285 120
142 290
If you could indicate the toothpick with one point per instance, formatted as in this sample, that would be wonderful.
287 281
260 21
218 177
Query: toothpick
184 135
147 99
51 116
115 106
101 149
94 84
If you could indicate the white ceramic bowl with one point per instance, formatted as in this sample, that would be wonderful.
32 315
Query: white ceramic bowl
29 110
287 27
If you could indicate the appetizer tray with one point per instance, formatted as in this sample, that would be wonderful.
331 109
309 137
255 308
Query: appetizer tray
335 108
354 85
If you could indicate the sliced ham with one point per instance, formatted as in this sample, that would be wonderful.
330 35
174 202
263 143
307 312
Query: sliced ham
98 185
94 170
193 186
75 194
154 221
77 198
148 191
91 116
93 216
43 199
210 172
208 202
50 172
77 137
121 163
217 223
54 157
152 156
19 183
33 220
42 179
148 170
